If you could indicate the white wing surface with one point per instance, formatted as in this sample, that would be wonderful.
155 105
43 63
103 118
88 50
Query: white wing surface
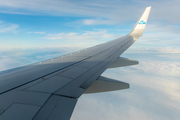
49 90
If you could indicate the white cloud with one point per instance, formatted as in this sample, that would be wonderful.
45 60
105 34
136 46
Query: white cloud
159 27
161 68
159 35
87 39
97 22
169 50
37 32
153 95
83 40
7 27
153 50
10 58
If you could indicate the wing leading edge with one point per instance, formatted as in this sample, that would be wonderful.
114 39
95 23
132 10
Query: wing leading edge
50 89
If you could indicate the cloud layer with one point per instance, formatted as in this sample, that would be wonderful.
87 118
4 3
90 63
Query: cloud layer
7 27
88 35
154 85
153 94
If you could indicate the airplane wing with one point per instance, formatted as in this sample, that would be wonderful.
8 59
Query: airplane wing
49 90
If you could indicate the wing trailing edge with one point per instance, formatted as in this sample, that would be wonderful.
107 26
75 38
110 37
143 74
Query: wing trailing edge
103 84
122 62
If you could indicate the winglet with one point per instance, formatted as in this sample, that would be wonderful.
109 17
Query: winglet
140 25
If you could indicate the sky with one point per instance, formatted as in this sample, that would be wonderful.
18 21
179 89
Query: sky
36 30
65 23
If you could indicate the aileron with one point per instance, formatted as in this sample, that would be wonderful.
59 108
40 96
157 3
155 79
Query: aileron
103 84
121 62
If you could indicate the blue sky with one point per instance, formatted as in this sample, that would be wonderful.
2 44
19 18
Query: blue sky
60 23
36 30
